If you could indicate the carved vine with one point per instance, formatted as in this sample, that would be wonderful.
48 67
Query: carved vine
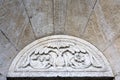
49 56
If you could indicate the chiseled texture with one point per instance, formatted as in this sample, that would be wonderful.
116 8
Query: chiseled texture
23 21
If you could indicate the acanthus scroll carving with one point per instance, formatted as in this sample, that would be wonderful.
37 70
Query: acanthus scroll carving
60 55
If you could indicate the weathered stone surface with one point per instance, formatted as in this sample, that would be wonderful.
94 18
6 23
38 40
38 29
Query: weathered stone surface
108 13
60 8
60 55
40 13
26 37
2 78
117 44
94 34
7 53
117 77
13 19
77 15
112 55
73 17
115 53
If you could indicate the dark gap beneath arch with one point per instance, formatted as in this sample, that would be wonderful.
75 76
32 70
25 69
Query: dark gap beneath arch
60 78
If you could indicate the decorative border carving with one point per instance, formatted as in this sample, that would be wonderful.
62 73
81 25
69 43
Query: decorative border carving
60 53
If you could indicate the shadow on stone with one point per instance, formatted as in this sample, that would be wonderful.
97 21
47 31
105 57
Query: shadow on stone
60 78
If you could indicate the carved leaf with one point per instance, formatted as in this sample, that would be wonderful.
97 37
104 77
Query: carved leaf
95 62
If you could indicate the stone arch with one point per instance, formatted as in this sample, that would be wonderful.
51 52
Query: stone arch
60 55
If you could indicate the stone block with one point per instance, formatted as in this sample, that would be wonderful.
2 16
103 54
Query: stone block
13 19
108 13
94 35
77 15
40 13
26 37
7 53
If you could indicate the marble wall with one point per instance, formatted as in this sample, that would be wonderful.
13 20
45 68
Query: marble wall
23 21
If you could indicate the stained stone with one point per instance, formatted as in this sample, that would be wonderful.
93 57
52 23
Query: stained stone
108 18
23 21
40 13
60 9
7 51
77 15
94 35
13 20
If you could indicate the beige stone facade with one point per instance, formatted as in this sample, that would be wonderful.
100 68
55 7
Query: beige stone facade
23 21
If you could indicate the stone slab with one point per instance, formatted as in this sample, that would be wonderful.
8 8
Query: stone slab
60 55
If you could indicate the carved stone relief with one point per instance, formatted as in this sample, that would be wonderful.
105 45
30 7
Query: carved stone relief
60 53
63 55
